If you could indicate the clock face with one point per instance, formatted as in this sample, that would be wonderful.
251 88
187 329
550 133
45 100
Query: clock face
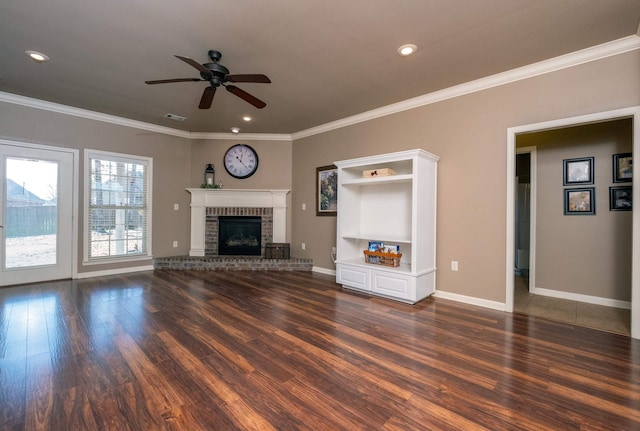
241 161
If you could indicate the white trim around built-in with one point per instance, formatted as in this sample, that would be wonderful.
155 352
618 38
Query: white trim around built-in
512 132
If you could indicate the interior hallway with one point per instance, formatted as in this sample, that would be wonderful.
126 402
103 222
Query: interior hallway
600 317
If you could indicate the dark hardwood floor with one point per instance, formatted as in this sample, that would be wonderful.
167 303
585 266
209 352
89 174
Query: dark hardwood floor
291 351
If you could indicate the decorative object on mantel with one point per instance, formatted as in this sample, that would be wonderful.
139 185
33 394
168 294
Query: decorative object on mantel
209 177
382 172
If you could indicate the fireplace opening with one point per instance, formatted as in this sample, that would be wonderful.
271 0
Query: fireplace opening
239 235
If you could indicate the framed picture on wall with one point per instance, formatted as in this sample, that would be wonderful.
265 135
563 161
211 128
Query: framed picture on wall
578 171
580 201
622 168
327 190
620 198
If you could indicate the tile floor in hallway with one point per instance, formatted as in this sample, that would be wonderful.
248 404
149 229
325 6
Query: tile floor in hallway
610 319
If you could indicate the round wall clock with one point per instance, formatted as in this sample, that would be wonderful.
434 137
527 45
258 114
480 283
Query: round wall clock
241 161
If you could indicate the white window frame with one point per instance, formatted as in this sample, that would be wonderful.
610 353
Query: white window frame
117 157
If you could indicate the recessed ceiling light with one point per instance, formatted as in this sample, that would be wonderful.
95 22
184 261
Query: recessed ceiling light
36 56
246 118
407 49
235 130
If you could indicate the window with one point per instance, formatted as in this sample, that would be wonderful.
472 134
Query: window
118 206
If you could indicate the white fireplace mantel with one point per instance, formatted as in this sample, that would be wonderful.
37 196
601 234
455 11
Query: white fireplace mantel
226 198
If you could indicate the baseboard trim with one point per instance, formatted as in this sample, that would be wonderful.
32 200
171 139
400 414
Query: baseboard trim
114 271
597 300
323 270
500 306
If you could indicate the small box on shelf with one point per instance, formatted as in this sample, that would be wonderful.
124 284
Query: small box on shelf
382 172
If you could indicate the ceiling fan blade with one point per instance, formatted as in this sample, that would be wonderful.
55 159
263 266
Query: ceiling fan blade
207 98
195 64
246 96
166 81
263 79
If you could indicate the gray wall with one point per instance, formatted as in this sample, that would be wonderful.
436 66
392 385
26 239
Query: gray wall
171 168
584 254
469 133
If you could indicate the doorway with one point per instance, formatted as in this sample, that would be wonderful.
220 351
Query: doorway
36 213
628 113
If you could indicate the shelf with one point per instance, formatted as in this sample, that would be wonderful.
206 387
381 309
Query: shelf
404 268
407 178
378 237
397 209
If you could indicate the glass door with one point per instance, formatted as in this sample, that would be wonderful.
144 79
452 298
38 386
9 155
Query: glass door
36 202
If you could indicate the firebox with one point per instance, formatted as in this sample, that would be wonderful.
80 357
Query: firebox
239 235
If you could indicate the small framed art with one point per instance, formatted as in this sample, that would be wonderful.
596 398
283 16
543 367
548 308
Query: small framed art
327 190
620 198
578 171
622 168
580 201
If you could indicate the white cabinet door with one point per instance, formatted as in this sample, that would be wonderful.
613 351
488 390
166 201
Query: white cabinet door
393 285
353 276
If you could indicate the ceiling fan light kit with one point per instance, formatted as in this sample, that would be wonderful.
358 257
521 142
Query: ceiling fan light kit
217 75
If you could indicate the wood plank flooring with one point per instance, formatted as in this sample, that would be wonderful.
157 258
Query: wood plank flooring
179 350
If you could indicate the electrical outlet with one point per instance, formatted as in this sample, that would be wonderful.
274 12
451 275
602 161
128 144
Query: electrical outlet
304 207
304 246
454 265
176 207
175 244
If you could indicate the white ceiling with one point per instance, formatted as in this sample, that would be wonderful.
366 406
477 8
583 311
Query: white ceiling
327 59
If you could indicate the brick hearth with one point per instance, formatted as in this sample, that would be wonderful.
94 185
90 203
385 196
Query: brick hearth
231 263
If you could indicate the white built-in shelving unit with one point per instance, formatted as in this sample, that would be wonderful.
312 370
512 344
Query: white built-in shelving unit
398 210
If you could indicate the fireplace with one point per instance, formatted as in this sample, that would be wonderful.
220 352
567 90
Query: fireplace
208 204
239 235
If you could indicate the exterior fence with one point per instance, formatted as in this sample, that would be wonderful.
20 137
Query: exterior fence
30 221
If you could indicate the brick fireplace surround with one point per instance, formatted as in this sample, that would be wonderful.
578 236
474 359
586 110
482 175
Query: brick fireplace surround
207 205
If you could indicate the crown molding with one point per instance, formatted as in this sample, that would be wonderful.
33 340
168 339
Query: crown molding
576 58
91 115
121 121
242 136
594 53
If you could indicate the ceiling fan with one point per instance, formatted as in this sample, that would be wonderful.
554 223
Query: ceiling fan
217 75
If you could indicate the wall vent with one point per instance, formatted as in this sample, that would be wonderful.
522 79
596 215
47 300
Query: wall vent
174 117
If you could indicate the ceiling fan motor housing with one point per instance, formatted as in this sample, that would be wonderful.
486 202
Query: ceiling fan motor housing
217 75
